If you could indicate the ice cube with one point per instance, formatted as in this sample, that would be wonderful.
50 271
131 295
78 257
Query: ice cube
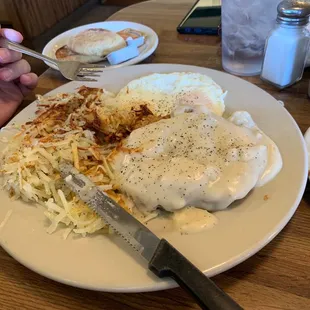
246 24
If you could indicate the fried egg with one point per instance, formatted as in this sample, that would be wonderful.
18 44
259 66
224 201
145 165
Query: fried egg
156 96
174 93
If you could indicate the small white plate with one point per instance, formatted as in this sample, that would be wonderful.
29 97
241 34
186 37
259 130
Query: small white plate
150 45
307 139
107 263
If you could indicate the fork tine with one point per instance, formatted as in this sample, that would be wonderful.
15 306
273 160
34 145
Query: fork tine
87 73
79 78
90 70
92 66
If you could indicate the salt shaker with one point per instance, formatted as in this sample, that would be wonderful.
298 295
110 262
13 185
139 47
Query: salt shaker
287 45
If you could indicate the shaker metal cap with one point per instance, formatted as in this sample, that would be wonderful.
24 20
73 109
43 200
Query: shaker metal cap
293 12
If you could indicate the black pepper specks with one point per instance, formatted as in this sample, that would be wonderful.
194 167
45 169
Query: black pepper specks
182 154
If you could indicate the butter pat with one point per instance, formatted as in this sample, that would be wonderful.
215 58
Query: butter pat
123 54
136 42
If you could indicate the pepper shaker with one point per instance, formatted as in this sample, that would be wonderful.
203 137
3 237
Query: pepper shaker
287 45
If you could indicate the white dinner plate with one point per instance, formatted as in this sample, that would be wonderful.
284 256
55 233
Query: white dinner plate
150 45
307 139
107 263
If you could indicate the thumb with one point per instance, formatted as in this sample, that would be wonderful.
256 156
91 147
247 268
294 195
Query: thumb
11 35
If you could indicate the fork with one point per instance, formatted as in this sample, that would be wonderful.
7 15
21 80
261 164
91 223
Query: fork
71 70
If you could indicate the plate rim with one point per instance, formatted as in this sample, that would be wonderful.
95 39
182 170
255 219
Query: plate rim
124 64
233 261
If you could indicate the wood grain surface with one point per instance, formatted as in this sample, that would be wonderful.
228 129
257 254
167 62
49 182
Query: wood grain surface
278 277
33 17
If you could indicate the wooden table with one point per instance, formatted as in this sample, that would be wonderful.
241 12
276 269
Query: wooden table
278 277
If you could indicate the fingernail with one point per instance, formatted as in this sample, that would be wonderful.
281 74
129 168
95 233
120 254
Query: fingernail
25 79
6 74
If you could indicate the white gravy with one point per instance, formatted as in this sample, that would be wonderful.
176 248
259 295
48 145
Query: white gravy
195 159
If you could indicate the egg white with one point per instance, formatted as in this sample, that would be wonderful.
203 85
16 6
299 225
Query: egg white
165 94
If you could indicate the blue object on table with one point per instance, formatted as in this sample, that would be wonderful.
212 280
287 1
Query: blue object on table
123 54
137 42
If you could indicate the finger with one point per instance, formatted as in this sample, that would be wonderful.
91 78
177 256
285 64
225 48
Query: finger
11 35
7 111
7 56
13 71
24 89
30 80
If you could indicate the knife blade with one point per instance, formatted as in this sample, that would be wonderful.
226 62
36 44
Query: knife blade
164 260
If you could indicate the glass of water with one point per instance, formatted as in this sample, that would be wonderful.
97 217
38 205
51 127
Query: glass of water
245 27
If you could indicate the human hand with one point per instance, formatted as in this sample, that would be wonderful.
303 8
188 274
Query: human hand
16 80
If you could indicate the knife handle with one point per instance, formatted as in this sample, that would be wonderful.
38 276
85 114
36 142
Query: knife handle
168 262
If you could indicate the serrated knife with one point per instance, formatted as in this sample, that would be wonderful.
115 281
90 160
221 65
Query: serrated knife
163 259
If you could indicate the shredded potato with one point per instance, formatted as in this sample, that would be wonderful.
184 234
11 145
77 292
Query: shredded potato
30 162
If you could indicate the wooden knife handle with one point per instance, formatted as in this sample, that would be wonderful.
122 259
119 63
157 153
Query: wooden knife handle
168 262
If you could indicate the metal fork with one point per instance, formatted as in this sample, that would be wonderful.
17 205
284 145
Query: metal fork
72 70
